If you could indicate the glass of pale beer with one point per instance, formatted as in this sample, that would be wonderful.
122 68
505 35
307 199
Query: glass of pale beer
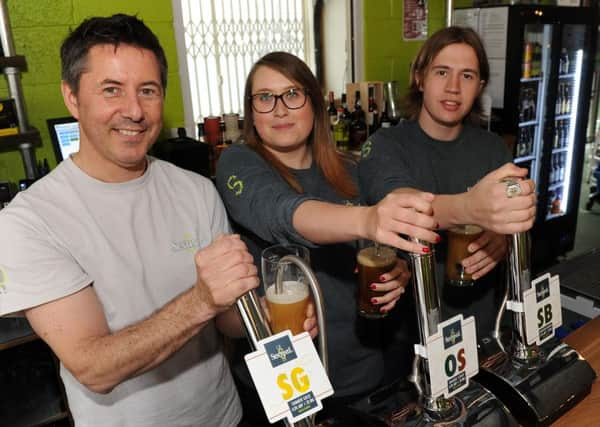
287 306
459 238
373 260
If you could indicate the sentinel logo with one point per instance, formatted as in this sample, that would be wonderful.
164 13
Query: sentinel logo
452 334
188 243
280 351
542 290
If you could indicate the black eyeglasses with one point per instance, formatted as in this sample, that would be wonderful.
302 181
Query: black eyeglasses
265 102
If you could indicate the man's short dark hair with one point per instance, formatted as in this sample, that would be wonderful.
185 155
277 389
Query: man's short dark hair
113 30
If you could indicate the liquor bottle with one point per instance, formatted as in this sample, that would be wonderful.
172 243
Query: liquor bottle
341 133
358 126
559 100
556 136
536 60
332 111
532 105
563 62
527 54
344 104
567 99
385 121
530 141
372 112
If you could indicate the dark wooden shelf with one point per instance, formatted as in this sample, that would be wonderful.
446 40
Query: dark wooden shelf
17 61
12 142
15 331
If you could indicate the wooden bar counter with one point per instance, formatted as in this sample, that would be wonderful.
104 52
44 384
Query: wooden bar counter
586 340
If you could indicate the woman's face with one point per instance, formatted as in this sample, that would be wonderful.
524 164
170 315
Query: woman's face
282 130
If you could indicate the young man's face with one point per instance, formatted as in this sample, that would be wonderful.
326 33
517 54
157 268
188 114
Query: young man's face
119 108
450 85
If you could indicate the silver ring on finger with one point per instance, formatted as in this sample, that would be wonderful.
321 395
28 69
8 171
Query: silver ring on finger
513 188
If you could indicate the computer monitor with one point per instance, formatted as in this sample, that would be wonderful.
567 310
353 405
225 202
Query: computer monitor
64 134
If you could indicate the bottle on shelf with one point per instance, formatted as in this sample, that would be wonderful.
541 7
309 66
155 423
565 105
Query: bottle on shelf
559 100
563 62
527 56
331 110
566 99
556 136
341 131
372 112
385 121
358 125
536 60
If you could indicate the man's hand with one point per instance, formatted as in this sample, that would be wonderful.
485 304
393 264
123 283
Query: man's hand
394 283
488 205
225 271
402 212
488 250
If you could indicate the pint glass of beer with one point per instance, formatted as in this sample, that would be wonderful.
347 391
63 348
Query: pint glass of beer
373 260
287 308
459 238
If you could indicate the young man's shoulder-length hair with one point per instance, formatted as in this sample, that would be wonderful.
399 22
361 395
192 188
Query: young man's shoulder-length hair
434 44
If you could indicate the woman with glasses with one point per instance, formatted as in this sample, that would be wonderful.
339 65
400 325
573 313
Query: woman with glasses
288 184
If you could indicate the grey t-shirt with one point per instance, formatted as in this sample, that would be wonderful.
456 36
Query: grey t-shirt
261 204
134 242
405 156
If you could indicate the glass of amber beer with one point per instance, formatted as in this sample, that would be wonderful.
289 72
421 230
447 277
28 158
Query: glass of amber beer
459 238
373 260
287 308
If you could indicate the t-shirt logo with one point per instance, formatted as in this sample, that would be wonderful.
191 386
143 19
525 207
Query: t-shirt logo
366 149
235 185
2 281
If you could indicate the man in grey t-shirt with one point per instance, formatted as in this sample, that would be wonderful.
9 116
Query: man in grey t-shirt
120 261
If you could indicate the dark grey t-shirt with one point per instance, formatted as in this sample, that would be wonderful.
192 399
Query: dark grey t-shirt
261 205
405 156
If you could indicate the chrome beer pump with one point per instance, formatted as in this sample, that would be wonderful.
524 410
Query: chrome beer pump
472 406
257 327
538 383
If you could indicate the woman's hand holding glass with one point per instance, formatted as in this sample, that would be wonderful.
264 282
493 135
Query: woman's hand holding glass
403 212
487 251
394 282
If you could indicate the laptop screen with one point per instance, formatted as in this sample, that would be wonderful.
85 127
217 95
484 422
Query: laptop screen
64 134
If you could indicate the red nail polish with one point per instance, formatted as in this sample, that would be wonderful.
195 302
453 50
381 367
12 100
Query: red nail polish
426 250
438 239
372 286
382 310
373 300
382 278
437 225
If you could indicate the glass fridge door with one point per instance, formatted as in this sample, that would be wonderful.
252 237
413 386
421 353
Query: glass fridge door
533 86
566 116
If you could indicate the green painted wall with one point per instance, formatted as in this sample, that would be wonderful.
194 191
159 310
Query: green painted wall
387 55
38 28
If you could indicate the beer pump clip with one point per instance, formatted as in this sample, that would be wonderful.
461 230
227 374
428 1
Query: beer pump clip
538 379
471 404
258 329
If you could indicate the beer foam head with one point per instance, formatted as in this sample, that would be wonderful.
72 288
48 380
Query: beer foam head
468 229
293 292
372 257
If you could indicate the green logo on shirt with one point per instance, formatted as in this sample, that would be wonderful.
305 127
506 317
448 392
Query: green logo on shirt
235 185
366 149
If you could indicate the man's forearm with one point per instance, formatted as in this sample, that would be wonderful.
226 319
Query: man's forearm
100 360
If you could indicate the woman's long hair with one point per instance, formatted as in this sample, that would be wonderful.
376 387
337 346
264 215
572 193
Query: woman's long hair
325 155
